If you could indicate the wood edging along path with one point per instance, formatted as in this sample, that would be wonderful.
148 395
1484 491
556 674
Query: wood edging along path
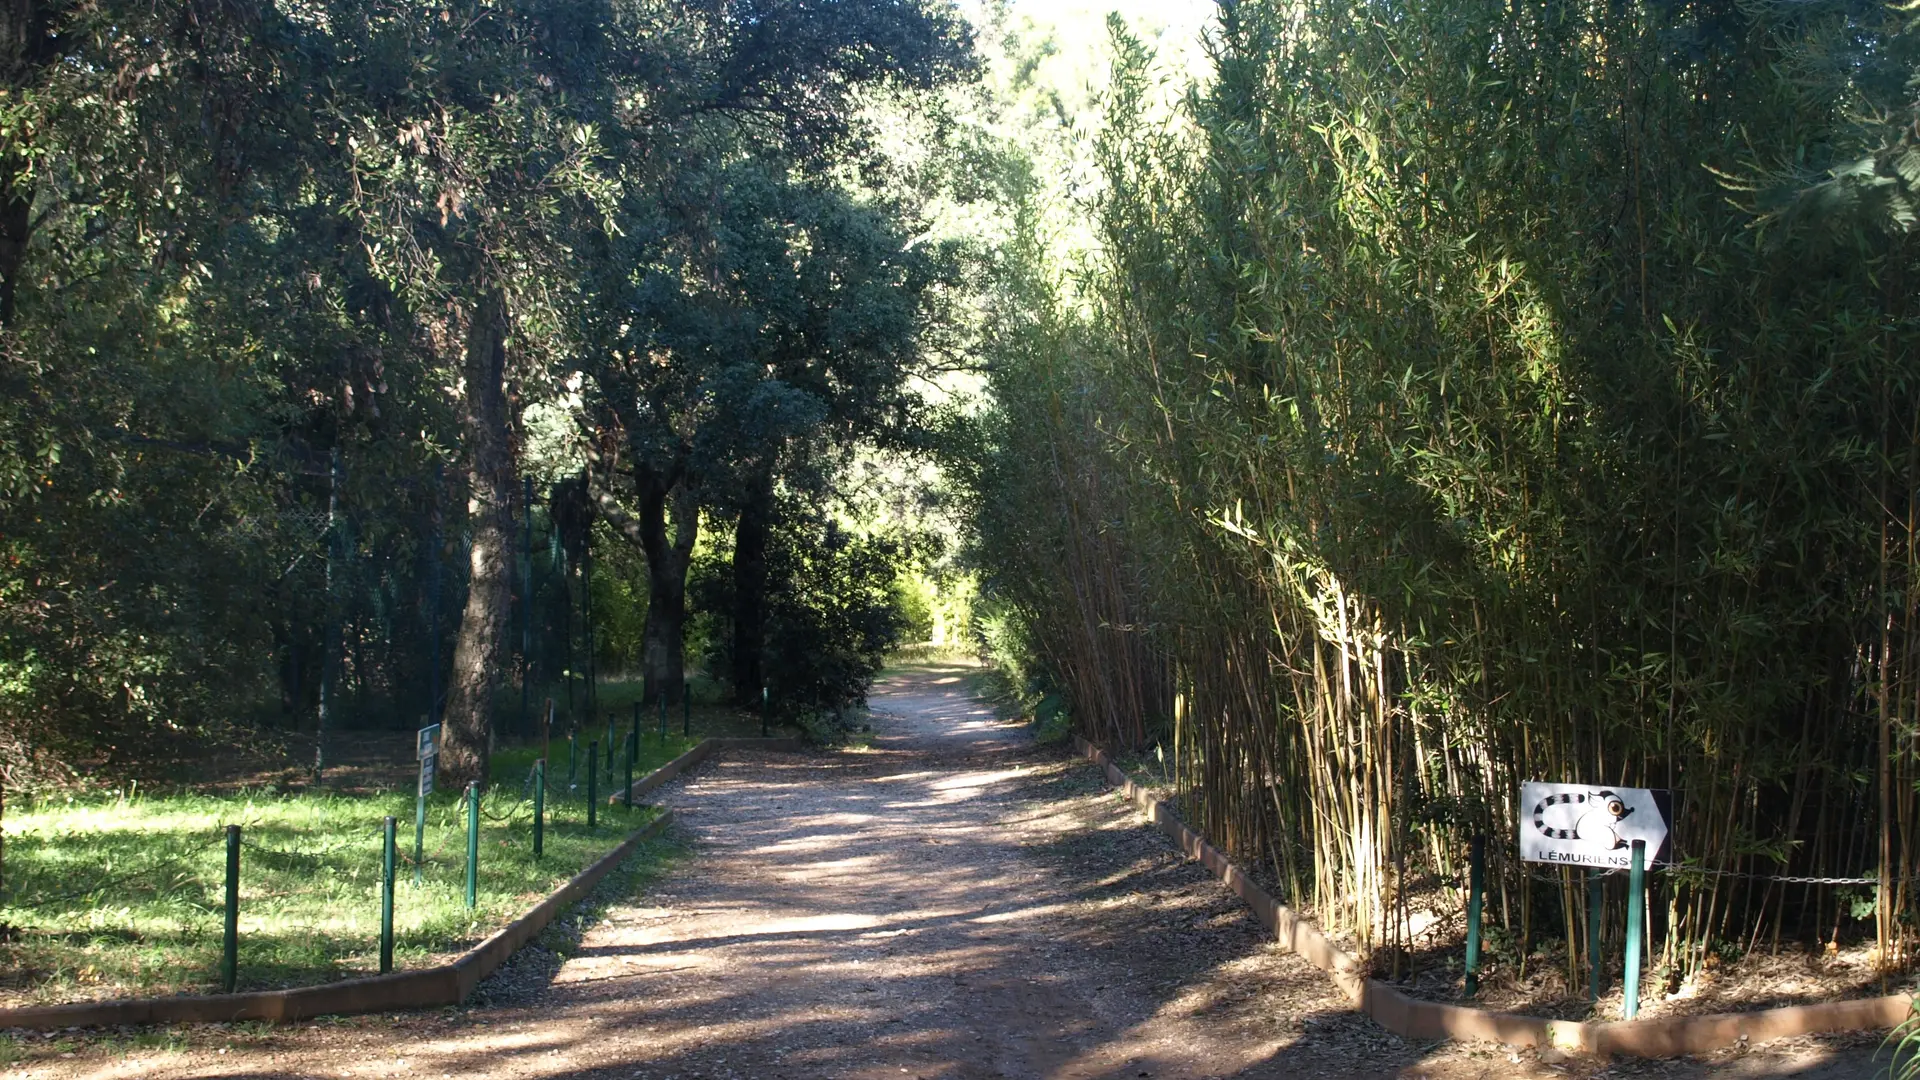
1418 1019
443 984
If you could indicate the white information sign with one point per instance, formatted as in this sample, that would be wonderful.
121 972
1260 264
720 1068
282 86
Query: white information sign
1591 824
429 751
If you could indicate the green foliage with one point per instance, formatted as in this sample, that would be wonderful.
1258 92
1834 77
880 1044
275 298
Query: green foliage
1904 1044
831 617
237 246
912 602
1443 413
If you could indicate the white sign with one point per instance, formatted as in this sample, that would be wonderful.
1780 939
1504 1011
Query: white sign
1591 824
428 742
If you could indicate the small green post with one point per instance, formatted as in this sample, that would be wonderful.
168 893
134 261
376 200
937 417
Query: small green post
663 719
1596 885
609 748
763 712
473 845
1636 927
539 807
593 793
573 771
386 897
1476 886
686 712
230 946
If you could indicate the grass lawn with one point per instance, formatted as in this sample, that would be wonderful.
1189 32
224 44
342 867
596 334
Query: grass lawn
108 897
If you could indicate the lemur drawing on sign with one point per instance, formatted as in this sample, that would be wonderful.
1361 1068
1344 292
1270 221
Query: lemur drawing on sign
1588 817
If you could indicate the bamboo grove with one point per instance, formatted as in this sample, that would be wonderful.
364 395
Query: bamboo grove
1481 391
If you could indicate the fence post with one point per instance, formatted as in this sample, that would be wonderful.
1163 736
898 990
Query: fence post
1596 884
539 807
593 793
1636 927
230 946
386 898
763 712
573 771
1476 886
473 845
633 745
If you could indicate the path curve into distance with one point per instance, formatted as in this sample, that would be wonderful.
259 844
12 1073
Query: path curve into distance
951 902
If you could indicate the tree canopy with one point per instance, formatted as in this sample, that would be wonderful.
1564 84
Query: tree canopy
278 289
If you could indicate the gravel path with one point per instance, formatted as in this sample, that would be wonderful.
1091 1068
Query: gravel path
949 903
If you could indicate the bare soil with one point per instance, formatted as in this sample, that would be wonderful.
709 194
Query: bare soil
951 902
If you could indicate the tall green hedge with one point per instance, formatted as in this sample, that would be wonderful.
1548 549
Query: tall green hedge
1470 392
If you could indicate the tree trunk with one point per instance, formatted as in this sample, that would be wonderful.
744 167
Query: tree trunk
330 635
486 427
750 589
16 226
28 48
663 643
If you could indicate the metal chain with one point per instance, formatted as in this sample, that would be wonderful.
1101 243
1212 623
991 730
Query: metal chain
510 816
1785 879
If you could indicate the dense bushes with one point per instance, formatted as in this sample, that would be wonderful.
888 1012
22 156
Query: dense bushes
1451 408
834 612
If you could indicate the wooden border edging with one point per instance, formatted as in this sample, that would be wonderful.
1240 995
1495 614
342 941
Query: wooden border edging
443 984
1418 1019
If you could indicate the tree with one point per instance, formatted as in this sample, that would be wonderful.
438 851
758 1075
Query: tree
673 384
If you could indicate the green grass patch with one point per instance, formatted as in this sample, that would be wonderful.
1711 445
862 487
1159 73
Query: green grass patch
115 896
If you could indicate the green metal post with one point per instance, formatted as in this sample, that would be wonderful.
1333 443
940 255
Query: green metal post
593 793
1636 926
572 763
539 807
1596 884
473 845
386 898
230 946
763 712
1476 891
609 747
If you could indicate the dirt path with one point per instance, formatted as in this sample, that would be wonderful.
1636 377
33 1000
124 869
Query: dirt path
951 903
